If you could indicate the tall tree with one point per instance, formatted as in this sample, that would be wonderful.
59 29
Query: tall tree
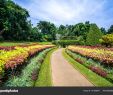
93 35
3 16
48 30
13 20
110 30
103 30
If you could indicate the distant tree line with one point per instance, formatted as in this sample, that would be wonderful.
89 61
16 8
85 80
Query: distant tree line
15 26
86 34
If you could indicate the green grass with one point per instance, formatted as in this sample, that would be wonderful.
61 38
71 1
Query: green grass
45 78
20 43
91 76
44 43
13 43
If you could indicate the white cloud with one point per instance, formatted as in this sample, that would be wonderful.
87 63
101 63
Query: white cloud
68 11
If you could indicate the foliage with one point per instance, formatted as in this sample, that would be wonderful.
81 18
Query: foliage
68 38
64 43
34 34
14 43
88 63
44 78
103 30
13 20
12 58
30 73
100 69
94 35
72 31
48 30
110 30
107 40
91 76
102 55
15 26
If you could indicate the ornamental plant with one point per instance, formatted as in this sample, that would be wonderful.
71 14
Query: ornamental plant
102 55
107 40
12 58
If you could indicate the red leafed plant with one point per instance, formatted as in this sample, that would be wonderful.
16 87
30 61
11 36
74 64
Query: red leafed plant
79 60
7 48
98 70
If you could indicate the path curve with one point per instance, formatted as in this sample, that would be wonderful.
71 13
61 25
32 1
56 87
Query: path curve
64 74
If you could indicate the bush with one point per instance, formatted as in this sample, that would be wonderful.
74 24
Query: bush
107 40
69 38
64 43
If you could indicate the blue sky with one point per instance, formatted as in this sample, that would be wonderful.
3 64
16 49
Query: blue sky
70 11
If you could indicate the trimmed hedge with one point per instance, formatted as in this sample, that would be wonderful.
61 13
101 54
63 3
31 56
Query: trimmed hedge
64 43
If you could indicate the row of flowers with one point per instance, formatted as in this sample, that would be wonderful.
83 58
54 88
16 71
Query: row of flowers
11 59
97 47
8 48
100 54
88 64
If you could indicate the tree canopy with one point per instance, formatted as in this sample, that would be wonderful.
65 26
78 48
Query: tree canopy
94 35
110 30
14 25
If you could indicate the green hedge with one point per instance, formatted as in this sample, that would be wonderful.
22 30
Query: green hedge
64 43
69 38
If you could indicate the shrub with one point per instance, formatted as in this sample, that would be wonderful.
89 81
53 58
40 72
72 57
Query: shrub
69 38
64 43
107 40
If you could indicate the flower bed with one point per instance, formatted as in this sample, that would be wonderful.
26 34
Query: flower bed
11 59
88 64
100 54
98 70
7 48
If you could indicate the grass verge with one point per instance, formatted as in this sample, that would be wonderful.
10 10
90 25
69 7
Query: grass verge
45 78
91 76
21 43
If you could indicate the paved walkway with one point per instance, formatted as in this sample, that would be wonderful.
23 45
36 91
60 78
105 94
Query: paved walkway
63 74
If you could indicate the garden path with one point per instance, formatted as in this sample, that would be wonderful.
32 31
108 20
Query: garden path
64 74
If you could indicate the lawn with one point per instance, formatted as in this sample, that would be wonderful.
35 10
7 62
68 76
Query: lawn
13 43
21 43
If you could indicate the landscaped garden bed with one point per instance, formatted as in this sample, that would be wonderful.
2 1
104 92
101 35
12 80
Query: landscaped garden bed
16 57
97 59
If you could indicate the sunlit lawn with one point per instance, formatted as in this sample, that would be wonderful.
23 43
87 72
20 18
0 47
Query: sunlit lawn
20 43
